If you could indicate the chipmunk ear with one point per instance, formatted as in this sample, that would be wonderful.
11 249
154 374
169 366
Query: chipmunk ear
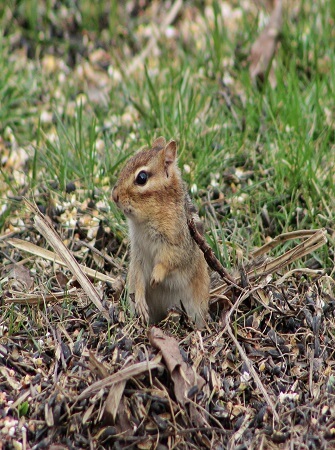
159 143
170 155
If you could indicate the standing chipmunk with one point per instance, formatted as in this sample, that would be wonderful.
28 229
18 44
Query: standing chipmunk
167 268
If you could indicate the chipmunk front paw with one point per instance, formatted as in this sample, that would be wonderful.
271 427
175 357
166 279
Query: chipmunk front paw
142 309
158 274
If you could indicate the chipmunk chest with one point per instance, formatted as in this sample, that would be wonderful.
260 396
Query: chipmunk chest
146 243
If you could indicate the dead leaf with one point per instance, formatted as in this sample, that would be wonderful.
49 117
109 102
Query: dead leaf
97 367
113 401
183 376
88 413
62 279
264 48
21 279
124 417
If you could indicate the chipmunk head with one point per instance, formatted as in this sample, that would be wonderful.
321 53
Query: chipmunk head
149 181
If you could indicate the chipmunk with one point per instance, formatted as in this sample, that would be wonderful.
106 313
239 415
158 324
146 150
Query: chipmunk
167 268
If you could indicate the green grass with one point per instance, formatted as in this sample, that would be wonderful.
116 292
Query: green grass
17 90
283 135
259 161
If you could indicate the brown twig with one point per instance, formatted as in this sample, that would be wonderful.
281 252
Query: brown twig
209 255
252 370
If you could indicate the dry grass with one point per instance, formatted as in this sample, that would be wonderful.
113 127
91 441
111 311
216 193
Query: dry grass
84 85
259 375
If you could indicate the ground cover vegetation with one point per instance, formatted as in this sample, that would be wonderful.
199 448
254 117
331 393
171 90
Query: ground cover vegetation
83 85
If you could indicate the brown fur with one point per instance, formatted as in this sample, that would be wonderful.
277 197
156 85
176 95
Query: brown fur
167 268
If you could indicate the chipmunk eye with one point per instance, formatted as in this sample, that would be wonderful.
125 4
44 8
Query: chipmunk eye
142 178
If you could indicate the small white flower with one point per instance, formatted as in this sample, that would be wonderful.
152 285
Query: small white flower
46 117
170 32
289 396
11 431
245 377
187 168
194 188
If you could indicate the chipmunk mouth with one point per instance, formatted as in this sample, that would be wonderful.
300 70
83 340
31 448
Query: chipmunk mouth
128 211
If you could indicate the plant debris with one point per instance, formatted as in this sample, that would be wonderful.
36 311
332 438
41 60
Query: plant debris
259 374
81 89
263 50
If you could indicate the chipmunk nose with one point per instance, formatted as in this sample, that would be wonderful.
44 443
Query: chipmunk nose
115 194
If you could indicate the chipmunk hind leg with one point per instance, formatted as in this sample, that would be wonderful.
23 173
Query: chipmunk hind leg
159 301
197 306
136 289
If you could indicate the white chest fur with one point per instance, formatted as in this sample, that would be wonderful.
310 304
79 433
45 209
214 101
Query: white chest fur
145 245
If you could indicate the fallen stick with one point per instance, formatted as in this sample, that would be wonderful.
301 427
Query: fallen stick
209 255
315 239
52 237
